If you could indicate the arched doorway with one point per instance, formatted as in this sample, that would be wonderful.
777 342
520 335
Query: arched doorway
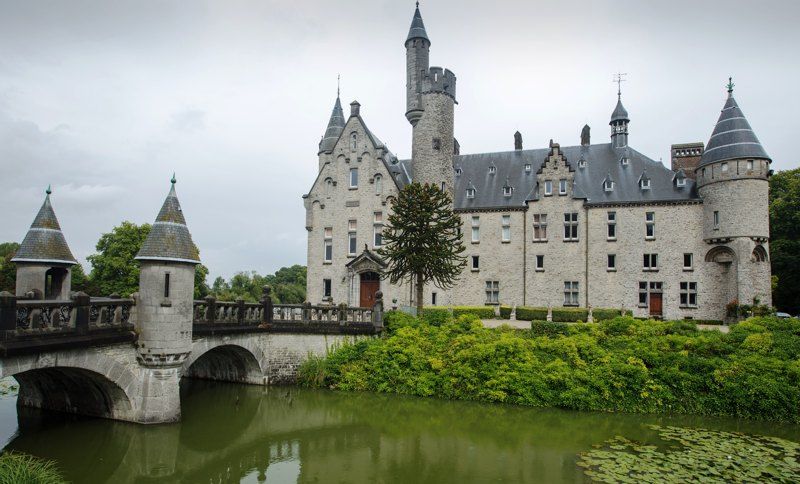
369 285
54 283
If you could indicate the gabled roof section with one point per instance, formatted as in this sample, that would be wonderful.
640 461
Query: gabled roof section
169 239
733 138
367 255
335 127
417 30
44 241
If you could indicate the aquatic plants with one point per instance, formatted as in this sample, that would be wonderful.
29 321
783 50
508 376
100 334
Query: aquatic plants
18 468
701 456
621 364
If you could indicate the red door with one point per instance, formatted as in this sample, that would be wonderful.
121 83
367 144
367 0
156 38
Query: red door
655 304
370 283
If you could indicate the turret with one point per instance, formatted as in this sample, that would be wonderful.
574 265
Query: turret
332 132
44 261
619 124
166 288
417 60
732 180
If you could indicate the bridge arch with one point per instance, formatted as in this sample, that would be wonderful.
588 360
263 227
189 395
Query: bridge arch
88 384
223 359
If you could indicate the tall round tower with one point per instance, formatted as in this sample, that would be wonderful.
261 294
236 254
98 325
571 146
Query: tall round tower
732 180
418 48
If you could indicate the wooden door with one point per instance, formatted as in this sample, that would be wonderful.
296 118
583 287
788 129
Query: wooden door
656 304
370 284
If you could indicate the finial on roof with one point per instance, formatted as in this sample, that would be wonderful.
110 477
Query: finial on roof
49 190
173 180
730 86
338 84
619 78
417 4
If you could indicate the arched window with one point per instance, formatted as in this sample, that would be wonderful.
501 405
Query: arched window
721 254
759 254
328 186
353 141
378 184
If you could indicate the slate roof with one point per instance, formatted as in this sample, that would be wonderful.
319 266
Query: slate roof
417 30
602 160
44 241
335 127
620 113
169 239
733 138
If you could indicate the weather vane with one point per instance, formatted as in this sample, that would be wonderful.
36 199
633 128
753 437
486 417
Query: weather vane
619 78
730 85
338 83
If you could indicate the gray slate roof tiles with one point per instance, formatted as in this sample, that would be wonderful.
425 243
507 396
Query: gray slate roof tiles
169 239
44 241
417 30
619 114
733 138
334 130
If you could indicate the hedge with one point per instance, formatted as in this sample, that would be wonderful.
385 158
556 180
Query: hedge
548 328
505 312
483 312
437 315
601 314
531 314
570 315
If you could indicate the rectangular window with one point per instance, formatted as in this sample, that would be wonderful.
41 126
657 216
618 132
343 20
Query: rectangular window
540 263
476 262
377 230
724 168
688 294
539 226
353 177
612 262
506 228
612 226
562 186
571 226
433 299
548 187
166 285
650 225
650 262
643 294
716 219
352 242
326 288
749 165
570 293
688 261
476 229
328 244
492 292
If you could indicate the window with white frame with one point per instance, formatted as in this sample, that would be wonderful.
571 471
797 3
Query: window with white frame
539 263
570 293
352 241
470 192
527 167
650 262
643 294
688 294
571 226
476 262
378 184
611 262
749 165
724 168
505 231
476 229
492 292
507 191
688 261
645 184
716 219
377 230
540 227
326 288
680 181
353 177
548 188
611 226
328 244
492 169
650 225
562 186
608 185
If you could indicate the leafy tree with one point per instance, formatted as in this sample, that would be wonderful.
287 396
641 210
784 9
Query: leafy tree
423 240
784 219
114 269
8 270
288 286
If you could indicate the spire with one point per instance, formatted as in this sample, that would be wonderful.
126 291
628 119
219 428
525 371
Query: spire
732 138
335 124
169 239
417 30
44 241
619 114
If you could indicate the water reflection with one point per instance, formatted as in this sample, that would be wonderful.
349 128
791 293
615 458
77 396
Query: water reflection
237 433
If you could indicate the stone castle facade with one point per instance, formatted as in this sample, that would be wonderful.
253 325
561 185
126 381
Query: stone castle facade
590 225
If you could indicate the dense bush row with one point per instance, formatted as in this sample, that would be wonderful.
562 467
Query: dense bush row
437 315
620 364
567 315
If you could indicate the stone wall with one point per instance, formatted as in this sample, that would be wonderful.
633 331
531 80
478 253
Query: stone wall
432 144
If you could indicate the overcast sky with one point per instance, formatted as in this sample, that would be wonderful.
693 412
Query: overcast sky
104 100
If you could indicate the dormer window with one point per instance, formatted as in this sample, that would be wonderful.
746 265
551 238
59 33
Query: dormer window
492 169
581 163
624 161
644 184
527 167
470 192
608 185
680 181
459 171
507 191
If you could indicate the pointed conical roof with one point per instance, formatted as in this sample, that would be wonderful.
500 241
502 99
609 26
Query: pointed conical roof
335 128
733 138
417 30
44 241
620 113
169 239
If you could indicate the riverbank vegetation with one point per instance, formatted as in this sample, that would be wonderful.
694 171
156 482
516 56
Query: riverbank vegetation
620 364
17 468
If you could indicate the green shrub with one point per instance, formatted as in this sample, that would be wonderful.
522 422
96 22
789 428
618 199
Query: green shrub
601 314
483 312
17 468
531 314
393 320
436 316
710 322
548 328
570 315
505 312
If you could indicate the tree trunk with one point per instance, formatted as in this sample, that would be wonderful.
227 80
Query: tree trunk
419 289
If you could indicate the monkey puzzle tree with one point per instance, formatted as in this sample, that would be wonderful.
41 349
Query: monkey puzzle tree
422 239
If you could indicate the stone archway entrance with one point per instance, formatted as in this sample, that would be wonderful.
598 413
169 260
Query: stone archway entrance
370 283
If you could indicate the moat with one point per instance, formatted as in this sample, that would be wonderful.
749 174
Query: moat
240 433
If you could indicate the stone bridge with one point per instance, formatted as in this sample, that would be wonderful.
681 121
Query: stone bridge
124 358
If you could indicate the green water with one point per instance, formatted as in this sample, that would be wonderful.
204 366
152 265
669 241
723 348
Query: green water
237 433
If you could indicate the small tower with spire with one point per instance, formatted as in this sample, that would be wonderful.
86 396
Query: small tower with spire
619 118
333 131
418 47
44 261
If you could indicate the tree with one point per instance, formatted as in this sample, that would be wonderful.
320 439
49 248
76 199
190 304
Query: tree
784 219
423 239
114 269
288 286
8 270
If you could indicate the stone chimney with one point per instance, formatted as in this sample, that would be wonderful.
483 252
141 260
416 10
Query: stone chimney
355 108
517 141
585 135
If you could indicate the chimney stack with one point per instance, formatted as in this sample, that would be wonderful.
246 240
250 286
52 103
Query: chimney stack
355 108
585 135
517 141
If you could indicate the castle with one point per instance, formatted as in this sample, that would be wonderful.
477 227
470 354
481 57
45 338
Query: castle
591 225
